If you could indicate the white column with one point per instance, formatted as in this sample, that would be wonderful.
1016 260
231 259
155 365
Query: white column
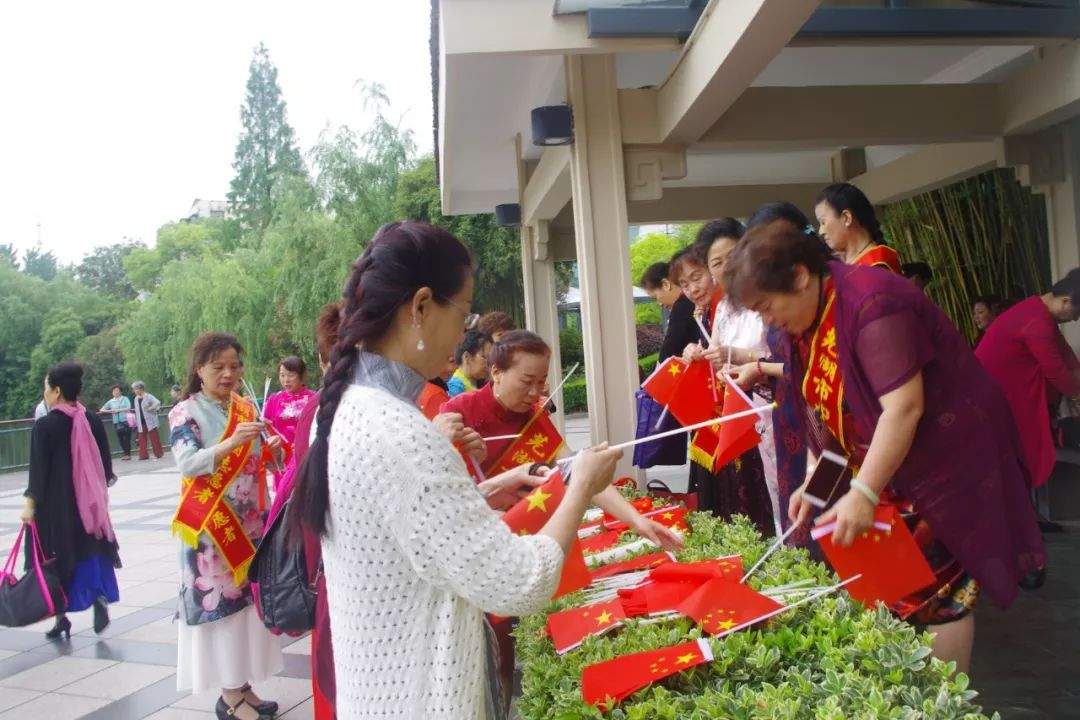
541 313
1063 218
603 253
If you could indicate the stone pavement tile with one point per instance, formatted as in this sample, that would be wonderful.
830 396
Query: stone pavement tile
142 703
20 639
12 697
153 570
5 654
296 665
150 593
303 711
119 680
56 673
287 692
130 621
301 647
54 706
80 621
159 631
172 713
146 653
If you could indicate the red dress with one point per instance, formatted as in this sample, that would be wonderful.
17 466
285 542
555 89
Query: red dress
1024 350
483 413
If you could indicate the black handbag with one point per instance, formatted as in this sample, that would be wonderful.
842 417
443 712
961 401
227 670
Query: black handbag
278 574
38 594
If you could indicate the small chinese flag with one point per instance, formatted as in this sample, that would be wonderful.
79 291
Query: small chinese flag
703 446
699 572
642 562
601 541
665 379
890 561
723 605
672 516
532 512
570 627
737 436
685 389
654 598
605 684
642 504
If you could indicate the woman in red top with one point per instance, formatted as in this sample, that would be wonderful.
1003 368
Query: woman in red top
850 227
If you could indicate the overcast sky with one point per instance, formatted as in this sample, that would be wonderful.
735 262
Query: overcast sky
115 116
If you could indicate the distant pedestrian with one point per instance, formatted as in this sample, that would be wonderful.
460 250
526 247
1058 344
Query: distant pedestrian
118 408
282 409
68 498
146 420
176 394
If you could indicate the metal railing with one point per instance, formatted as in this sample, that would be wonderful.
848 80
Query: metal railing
15 440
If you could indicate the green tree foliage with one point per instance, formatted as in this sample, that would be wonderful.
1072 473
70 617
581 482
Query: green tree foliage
103 270
177 241
40 263
497 250
42 324
9 255
266 154
657 247
61 333
104 366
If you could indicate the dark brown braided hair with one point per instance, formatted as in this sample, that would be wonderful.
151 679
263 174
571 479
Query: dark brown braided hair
402 258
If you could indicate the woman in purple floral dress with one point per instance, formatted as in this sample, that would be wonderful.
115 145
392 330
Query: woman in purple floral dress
215 440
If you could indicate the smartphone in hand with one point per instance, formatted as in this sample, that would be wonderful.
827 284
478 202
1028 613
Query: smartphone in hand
830 480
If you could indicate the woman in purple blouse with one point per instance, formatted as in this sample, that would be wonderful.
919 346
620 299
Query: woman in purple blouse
894 386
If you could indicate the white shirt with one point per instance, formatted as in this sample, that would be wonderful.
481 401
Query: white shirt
413 559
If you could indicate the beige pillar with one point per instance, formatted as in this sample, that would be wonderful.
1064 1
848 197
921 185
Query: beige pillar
541 312
600 234
1063 217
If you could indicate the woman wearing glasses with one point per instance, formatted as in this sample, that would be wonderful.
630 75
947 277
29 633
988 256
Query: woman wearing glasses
413 554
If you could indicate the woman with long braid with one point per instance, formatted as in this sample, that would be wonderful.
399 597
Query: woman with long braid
413 554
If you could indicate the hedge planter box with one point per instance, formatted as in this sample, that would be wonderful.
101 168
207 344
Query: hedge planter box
830 659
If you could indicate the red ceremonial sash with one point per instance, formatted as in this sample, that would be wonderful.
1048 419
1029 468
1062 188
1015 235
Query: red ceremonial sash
202 508
538 442
822 385
881 256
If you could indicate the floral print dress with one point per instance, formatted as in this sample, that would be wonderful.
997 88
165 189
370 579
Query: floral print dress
207 590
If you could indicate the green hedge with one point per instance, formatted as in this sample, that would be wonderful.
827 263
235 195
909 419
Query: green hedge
828 660
574 392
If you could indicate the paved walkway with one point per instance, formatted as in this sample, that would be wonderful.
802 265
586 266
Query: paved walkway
129 671
1027 662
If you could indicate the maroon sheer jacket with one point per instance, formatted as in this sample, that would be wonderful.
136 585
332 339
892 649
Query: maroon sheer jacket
964 473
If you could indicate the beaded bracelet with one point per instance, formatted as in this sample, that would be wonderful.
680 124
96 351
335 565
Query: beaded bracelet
865 490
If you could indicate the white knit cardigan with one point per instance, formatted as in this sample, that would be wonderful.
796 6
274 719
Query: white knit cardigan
413 558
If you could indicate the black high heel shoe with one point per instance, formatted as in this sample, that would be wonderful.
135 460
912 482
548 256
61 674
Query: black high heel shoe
101 614
225 711
266 707
62 627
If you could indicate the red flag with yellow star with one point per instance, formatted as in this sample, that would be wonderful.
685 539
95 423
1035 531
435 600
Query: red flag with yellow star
569 628
642 562
601 541
688 391
701 571
605 684
655 598
722 606
890 561
672 516
532 512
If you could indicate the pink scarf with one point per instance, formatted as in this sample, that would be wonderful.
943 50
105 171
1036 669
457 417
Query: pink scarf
88 474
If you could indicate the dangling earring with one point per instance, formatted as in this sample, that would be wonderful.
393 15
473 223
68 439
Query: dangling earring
420 340
420 344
